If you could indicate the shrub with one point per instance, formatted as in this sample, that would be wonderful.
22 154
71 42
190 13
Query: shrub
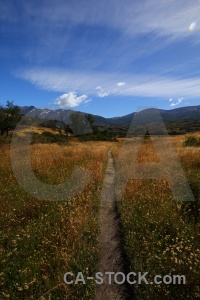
99 136
192 141
48 137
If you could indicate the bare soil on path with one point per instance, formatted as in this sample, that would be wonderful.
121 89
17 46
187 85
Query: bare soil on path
110 248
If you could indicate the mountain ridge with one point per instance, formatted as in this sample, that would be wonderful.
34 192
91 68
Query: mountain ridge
182 113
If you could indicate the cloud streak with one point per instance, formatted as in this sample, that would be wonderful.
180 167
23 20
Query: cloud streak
101 93
162 17
176 103
101 84
53 23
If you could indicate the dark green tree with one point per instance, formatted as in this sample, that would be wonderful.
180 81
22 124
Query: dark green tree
147 134
10 115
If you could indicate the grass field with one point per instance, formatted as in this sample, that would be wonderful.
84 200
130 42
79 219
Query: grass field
160 237
41 240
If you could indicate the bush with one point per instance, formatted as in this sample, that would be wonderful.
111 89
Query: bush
99 136
48 137
192 141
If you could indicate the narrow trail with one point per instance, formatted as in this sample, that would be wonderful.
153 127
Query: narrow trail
110 248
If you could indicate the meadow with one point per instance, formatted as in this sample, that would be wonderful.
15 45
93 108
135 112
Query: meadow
42 240
162 237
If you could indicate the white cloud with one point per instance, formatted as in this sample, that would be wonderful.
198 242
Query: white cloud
71 100
104 84
101 93
178 102
121 83
171 99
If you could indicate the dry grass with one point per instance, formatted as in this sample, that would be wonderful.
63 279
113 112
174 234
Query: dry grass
28 130
160 238
41 240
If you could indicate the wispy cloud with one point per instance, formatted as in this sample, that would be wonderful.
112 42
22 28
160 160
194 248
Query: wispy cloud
121 83
177 102
54 23
101 93
104 84
162 17
71 100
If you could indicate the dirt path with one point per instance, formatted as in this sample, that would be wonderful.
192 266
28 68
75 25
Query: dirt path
111 253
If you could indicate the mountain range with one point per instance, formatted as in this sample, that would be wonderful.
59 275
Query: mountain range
177 114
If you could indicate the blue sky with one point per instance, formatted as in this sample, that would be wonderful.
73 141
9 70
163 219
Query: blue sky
102 57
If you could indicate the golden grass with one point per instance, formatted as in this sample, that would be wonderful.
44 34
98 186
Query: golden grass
41 240
160 237
28 129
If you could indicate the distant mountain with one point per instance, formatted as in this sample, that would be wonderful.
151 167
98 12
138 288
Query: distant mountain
182 113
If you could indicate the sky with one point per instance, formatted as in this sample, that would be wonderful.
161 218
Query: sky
105 57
